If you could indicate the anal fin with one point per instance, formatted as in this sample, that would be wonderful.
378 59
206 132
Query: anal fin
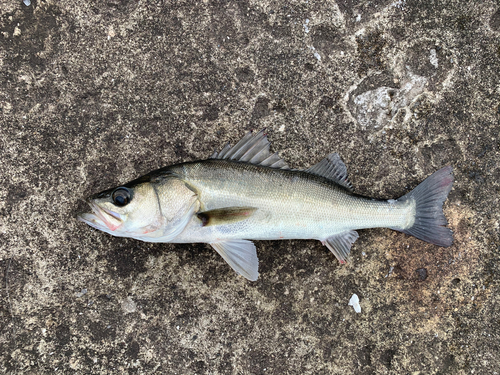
340 244
241 255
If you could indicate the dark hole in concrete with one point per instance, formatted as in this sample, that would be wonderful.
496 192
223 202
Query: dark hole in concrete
422 274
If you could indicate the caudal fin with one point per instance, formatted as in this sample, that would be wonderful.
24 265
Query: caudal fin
430 223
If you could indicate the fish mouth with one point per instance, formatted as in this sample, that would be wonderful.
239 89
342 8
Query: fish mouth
101 218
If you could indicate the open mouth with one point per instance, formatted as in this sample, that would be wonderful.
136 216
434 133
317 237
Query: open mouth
100 218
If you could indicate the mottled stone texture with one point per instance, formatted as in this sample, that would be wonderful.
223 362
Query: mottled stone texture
95 93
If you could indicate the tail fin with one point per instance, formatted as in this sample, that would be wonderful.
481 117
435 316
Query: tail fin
430 223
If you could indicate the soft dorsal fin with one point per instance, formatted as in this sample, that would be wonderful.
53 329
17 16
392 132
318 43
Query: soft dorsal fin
252 149
333 168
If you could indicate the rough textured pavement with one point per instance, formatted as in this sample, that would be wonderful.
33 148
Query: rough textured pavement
96 93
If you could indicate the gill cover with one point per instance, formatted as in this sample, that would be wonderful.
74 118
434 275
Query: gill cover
176 204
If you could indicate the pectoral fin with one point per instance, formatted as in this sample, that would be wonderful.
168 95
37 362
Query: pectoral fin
241 256
340 244
227 215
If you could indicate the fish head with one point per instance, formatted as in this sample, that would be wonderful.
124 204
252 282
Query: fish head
146 209
124 210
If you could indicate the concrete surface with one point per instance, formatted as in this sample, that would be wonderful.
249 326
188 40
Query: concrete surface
96 93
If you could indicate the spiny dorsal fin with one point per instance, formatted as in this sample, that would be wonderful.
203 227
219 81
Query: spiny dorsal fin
227 215
252 149
333 168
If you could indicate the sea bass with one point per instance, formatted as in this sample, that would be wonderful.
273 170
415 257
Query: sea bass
245 193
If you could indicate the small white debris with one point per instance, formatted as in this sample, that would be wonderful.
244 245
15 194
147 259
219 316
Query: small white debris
27 2
433 58
354 302
17 31
306 26
281 129
390 271
358 18
316 54
399 4
81 294
129 306
111 32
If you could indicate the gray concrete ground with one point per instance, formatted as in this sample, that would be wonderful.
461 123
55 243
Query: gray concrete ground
96 93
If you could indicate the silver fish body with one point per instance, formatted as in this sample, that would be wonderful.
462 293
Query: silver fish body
245 193
289 204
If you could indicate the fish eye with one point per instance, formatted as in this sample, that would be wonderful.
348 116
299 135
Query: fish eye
121 197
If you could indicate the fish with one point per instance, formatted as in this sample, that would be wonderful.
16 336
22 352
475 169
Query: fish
246 193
